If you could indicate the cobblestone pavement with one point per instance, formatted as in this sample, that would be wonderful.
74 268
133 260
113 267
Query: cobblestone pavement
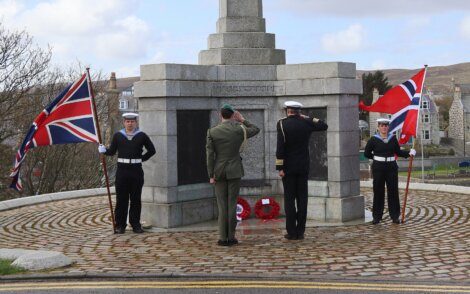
433 244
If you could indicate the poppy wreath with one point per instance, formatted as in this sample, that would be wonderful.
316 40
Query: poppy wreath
267 208
246 209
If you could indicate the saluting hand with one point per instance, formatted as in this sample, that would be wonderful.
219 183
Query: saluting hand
237 116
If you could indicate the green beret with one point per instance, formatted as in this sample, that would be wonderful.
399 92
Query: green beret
228 107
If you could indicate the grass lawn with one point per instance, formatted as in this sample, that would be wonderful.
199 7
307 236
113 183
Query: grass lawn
7 269
438 171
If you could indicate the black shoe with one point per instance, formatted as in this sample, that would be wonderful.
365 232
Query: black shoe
375 221
396 221
138 230
300 237
233 241
119 230
290 237
222 243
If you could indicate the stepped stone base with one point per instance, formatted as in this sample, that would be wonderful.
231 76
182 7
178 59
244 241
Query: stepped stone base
239 56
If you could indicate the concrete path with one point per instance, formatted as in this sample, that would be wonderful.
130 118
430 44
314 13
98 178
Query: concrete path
432 245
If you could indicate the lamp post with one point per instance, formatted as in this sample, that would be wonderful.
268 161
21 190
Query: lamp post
465 127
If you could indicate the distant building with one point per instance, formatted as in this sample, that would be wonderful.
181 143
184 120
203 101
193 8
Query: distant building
428 125
127 101
429 121
120 99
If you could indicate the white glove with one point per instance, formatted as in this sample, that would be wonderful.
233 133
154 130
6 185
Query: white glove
101 148
412 152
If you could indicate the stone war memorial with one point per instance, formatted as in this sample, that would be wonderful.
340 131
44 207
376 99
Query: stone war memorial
179 102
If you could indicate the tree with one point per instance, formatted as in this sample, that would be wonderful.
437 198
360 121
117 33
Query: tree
22 66
370 81
27 85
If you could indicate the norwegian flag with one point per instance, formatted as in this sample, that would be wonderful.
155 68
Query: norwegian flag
68 119
402 102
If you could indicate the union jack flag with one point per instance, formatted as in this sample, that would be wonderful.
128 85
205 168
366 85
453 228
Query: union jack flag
402 102
68 119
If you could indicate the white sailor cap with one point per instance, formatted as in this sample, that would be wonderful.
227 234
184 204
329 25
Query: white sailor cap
130 115
293 104
384 121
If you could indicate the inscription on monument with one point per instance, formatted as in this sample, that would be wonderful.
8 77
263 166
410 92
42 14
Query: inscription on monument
317 148
247 90
192 128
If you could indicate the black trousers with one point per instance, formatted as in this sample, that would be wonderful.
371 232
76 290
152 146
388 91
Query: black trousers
295 202
129 182
385 173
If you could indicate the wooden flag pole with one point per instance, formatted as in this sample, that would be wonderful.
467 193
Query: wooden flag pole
103 160
410 166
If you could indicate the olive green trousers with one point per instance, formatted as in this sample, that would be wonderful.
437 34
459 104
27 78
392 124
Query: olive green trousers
226 192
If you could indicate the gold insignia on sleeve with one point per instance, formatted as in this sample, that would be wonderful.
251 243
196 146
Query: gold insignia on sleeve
279 161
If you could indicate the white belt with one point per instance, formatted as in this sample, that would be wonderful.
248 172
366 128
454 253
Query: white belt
385 159
127 160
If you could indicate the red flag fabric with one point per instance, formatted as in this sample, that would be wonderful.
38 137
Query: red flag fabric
398 97
402 102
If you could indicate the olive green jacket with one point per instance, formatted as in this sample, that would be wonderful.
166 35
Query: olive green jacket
223 149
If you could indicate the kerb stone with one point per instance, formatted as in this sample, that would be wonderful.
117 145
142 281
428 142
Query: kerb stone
40 260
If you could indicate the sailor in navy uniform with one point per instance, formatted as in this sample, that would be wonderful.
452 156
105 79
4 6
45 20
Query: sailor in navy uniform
293 163
382 148
129 143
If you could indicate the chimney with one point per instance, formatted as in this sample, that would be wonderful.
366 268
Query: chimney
112 82
375 95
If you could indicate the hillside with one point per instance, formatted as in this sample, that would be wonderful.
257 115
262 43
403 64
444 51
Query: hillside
438 78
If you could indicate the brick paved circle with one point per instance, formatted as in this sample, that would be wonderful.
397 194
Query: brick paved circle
432 244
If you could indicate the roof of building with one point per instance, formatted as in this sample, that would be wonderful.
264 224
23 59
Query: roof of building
432 106
124 83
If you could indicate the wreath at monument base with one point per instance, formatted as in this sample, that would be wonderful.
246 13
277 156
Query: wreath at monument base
243 208
267 208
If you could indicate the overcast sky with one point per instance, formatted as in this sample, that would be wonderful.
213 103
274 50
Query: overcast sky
120 35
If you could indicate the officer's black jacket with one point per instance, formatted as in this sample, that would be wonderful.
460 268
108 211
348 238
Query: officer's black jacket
293 134
131 149
378 147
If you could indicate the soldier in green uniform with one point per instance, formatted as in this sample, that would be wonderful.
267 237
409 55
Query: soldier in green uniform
225 168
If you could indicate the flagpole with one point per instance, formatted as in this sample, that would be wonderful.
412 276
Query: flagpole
103 160
410 164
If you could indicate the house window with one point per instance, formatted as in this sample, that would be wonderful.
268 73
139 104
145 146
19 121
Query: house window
128 92
425 104
426 135
123 104
426 118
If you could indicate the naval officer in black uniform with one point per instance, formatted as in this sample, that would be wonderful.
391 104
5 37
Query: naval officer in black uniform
129 143
293 163
382 148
